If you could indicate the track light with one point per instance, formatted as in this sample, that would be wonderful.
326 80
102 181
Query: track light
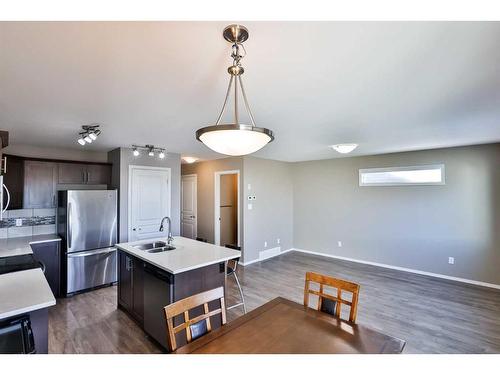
150 149
89 134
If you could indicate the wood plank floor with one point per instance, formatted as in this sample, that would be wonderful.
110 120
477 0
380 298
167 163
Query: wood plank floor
432 315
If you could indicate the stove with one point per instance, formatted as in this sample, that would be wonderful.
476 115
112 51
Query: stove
18 263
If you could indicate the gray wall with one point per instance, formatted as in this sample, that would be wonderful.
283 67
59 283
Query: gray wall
122 158
205 172
271 216
416 227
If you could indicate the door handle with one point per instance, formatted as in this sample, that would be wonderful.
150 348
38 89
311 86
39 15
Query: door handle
70 228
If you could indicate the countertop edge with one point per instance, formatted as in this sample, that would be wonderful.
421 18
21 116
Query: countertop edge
24 310
44 241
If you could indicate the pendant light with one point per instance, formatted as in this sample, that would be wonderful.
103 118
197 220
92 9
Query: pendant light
235 139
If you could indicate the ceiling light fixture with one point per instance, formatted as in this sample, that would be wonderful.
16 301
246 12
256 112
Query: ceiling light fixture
236 138
189 159
150 149
88 134
344 148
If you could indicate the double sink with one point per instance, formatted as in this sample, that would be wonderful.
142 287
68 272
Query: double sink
155 247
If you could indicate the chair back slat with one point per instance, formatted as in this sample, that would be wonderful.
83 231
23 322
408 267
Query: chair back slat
192 326
340 285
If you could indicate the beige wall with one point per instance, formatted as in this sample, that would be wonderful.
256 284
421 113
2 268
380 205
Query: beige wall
271 216
205 172
416 227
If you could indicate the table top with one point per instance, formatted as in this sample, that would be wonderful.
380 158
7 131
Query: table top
285 327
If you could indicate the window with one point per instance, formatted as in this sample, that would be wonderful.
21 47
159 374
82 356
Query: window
396 176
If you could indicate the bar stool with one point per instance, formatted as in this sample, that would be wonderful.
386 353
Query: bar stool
231 270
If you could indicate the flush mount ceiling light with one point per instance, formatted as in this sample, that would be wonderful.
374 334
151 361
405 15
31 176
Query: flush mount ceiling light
344 148
88 134
189 159
150 149
235 138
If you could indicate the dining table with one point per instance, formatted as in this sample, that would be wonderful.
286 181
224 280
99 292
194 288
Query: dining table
281 326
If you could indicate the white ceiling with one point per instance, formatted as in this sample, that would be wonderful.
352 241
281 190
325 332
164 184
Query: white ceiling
387 86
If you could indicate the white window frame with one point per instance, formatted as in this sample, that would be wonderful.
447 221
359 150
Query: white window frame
407 168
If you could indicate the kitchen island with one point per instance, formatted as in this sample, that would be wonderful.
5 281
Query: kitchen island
149 280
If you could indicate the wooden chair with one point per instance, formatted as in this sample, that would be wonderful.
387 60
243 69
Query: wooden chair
199 325
328 303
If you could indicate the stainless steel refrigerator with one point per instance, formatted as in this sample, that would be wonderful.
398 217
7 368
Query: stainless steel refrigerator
87 223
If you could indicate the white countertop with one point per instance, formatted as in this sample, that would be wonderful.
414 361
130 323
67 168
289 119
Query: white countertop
188 254
22 245
24 291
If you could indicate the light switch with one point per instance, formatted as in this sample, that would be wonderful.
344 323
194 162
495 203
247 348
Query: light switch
250 206
19 222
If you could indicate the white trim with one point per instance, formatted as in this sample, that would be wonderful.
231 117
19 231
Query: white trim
217 205
411 270
260 260
195 203
129 198
440 167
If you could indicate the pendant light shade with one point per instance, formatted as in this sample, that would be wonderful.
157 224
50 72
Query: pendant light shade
235 139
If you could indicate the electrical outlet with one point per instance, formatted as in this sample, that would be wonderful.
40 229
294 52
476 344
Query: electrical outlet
451 260
339 243
278 241
19 222
265 243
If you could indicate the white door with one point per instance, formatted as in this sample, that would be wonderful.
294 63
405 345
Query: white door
189 226
149 201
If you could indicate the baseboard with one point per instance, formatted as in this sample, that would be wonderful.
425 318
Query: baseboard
411 270
260 260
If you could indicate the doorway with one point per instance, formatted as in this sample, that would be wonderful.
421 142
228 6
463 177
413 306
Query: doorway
227 208
148 201
189 217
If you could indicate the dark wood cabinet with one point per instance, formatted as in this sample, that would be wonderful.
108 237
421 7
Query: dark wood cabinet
49 255
79 174
131 285
98 174
72 173
40 182
33 182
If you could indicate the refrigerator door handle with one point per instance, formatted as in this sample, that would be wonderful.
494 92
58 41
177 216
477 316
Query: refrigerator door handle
92 252
70 229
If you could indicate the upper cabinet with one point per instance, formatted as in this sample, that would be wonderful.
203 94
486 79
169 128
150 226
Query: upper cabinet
98 174
40 184
72 173
91 174
33 183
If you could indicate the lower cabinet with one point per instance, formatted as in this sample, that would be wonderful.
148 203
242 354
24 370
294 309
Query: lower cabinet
131 285
49 256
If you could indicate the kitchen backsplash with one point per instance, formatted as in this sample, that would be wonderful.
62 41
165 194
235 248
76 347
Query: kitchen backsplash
33 221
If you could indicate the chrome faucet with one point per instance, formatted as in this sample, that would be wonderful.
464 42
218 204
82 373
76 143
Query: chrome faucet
170 238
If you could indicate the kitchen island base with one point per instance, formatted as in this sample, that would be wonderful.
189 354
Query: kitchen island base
144 290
